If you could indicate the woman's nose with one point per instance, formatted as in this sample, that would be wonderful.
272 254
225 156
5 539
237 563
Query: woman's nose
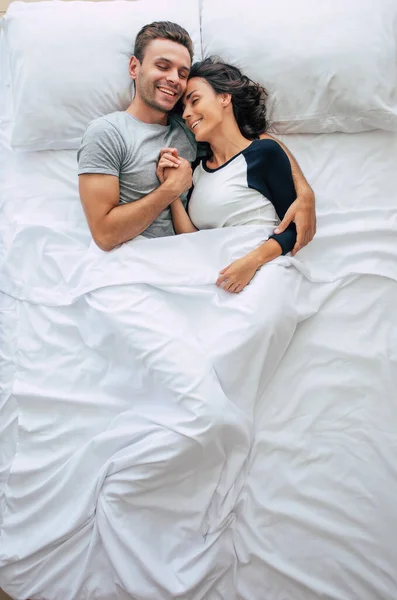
186 113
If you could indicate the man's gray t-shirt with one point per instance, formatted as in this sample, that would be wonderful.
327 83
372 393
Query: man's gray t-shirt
121 145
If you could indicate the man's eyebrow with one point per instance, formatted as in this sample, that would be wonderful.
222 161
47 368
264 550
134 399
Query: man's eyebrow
167 60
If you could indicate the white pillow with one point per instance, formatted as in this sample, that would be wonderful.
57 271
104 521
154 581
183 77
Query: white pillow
329 65
69 62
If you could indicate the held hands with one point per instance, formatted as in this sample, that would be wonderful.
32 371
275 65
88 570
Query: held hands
168 159
175 170
238 274
303 213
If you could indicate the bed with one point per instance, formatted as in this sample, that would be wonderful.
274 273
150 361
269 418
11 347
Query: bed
107 493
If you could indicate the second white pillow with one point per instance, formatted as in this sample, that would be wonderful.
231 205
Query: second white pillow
328 66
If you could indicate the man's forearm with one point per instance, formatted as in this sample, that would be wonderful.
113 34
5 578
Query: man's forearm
300 182
301 185
126 221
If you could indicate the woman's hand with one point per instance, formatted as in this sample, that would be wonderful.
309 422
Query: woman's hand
168 159
237 275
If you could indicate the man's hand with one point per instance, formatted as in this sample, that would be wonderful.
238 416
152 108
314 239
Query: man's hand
237 275
180 179
168 159
302 212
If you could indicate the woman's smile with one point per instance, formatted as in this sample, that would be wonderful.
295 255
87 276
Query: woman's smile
195 124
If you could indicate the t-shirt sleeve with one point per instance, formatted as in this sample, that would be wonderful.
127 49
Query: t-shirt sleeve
102 149
272 174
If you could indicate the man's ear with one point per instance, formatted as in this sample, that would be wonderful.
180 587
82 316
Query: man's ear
133 67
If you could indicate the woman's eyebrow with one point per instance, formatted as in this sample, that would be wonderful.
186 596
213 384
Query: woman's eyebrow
190 93
184 100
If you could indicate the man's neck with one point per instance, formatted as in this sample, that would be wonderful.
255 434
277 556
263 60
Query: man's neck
146 114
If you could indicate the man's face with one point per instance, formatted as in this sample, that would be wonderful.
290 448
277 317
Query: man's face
161 78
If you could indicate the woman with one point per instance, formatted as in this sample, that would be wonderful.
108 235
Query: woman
243 180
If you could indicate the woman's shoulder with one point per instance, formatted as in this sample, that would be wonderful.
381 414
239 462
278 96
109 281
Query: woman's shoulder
266 146
265 150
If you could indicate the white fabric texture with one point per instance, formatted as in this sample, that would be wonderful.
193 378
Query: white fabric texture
85 74
328 66
160 438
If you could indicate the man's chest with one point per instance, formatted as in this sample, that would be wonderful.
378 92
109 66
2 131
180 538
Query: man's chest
138 168
145 153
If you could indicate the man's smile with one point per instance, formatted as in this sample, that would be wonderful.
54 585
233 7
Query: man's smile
167 91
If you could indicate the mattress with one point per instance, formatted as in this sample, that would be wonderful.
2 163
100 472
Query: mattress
300 493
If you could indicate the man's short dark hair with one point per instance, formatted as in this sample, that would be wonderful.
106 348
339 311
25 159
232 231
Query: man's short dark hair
161 30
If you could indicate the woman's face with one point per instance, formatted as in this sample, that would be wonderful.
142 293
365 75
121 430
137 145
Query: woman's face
203 111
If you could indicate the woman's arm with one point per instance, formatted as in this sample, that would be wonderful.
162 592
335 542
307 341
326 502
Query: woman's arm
180 218
300 182
303 210
236 276
269 172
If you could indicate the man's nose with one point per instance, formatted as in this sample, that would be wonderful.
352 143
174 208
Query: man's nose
173 76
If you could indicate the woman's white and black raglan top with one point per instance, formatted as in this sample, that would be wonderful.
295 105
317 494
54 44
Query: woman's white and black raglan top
254 187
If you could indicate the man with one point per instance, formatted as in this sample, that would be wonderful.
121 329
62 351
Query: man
120 192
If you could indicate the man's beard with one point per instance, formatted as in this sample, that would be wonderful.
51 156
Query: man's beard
147 93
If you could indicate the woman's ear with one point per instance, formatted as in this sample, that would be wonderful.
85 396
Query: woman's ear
226 99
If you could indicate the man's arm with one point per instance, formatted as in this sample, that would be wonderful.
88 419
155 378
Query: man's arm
112 224
302 211
300 182
100 156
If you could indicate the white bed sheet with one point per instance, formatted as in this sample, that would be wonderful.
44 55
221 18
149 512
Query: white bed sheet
311 514
8 408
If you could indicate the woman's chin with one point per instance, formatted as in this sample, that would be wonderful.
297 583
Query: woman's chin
199 136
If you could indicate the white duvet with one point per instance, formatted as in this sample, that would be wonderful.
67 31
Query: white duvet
161 438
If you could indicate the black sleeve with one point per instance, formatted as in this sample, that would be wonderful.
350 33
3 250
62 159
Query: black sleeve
269 172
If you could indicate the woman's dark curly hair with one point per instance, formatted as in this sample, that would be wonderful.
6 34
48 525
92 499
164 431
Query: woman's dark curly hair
248 98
